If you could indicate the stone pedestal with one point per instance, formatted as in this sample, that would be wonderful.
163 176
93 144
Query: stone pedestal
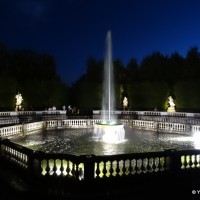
171 109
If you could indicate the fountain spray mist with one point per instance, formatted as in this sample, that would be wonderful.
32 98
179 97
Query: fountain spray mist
108 101
108 130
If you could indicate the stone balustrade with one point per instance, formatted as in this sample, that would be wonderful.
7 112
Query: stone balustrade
11 131
21 129
171 127
91 167
195 129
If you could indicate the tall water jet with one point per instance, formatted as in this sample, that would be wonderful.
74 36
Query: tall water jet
108 100
109 130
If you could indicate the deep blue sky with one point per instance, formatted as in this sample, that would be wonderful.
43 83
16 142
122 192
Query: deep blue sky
74 30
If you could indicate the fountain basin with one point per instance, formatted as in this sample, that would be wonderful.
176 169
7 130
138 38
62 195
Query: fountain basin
108 123
110 132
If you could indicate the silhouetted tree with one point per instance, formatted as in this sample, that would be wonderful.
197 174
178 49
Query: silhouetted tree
154 67
132 71
176 68
187 95
33 75
148 94
192 69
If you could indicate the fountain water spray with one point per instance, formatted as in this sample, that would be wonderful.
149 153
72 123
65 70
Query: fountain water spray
109 130
108 82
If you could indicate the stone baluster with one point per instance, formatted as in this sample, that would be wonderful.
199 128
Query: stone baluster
89 170
173 160
97 172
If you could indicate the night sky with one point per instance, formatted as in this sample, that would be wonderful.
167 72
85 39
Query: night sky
74 30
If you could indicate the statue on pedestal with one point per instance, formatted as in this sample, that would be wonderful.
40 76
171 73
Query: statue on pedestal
18 103
171 107
125 102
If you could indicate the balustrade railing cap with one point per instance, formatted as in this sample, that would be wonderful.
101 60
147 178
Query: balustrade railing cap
88 156
38 152
170 150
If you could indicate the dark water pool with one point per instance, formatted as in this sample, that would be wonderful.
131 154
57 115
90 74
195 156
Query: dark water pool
81 141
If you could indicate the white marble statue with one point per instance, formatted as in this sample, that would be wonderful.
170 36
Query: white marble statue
171 107
125 102
19 100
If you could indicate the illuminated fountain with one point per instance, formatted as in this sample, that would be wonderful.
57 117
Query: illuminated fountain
109 130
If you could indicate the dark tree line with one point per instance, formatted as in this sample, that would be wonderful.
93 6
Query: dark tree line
147 84
34 76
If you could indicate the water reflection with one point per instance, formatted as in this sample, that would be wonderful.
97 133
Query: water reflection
81 141
194 139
